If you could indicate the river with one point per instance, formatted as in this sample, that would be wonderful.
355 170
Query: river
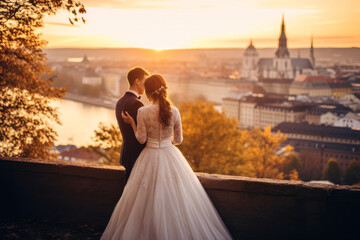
79 121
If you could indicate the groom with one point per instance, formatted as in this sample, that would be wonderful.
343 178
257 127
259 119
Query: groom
131 148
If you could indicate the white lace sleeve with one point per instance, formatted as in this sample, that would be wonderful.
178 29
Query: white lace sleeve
140 134
178 137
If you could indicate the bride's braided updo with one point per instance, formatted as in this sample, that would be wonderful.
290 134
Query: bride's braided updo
155 86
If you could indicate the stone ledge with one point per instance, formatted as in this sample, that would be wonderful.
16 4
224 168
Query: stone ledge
62 167
211 181
251 208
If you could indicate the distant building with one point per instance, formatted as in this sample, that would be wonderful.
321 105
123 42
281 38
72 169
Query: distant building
342 70
329 118
231 103
315 155
325 113
115 81
356 85
90 77
339 90
350 120
310 85
249 67
276 86
91 80
316 144
80 155
85 61
271 114
351 100
319 86
326 71
319 132
62 148
258 110
279 67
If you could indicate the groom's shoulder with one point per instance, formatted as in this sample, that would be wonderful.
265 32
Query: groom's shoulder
129 100
122 99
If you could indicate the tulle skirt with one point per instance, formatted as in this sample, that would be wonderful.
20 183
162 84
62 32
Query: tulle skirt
163 199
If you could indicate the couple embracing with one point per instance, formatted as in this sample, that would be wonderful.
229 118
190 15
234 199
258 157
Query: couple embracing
163 198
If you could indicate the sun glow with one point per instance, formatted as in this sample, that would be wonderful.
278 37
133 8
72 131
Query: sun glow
211 24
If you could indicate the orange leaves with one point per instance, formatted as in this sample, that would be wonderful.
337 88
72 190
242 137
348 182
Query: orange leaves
210 139
25 108
107 143
213 143
24 124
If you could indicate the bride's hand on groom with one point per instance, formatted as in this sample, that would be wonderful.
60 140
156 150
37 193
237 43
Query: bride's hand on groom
127 118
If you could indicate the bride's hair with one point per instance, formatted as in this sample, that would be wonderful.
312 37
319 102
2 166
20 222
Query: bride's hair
155 86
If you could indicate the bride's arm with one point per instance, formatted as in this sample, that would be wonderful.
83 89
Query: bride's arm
178 137
140 129
128 119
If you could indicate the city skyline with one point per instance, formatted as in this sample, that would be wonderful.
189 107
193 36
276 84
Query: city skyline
174 24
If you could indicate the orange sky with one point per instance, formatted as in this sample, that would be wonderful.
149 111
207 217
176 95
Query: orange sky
166 24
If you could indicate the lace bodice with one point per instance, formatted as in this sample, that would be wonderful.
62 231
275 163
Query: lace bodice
149 125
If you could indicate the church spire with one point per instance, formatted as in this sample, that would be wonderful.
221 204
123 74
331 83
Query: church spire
282 23
282 50
312 51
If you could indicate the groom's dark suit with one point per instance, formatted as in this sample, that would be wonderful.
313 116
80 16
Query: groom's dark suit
131 148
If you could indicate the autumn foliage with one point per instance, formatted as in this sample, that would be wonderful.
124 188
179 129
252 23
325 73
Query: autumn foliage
107 143
27 118
213 143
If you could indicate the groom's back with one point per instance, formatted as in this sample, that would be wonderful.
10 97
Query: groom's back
130 148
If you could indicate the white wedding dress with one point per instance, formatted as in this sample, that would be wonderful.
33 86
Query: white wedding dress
163 198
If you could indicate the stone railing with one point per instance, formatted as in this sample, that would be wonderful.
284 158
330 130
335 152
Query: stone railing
251 208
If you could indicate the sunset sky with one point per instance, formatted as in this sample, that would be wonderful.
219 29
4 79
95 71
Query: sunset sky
167 24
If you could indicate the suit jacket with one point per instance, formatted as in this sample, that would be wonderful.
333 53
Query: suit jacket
131 148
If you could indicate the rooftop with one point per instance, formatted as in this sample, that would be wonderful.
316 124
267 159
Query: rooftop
318 130
326 146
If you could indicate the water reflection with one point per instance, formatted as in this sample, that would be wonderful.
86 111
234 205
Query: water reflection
79 121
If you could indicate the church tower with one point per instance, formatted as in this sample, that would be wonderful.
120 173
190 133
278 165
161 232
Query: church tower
282 51
282 62
249 65
312 57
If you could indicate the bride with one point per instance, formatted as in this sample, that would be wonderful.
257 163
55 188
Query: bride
163 198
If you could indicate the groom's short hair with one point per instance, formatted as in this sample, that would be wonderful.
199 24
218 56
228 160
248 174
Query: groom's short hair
136 73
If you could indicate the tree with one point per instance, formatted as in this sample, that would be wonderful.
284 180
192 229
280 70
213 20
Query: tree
26 124
352 174
107 143
212 142
264 157
331 171
27 116
293 166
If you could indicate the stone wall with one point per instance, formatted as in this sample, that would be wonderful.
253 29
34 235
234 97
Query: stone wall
251 208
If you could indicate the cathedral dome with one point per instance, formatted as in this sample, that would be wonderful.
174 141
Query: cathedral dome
251 50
